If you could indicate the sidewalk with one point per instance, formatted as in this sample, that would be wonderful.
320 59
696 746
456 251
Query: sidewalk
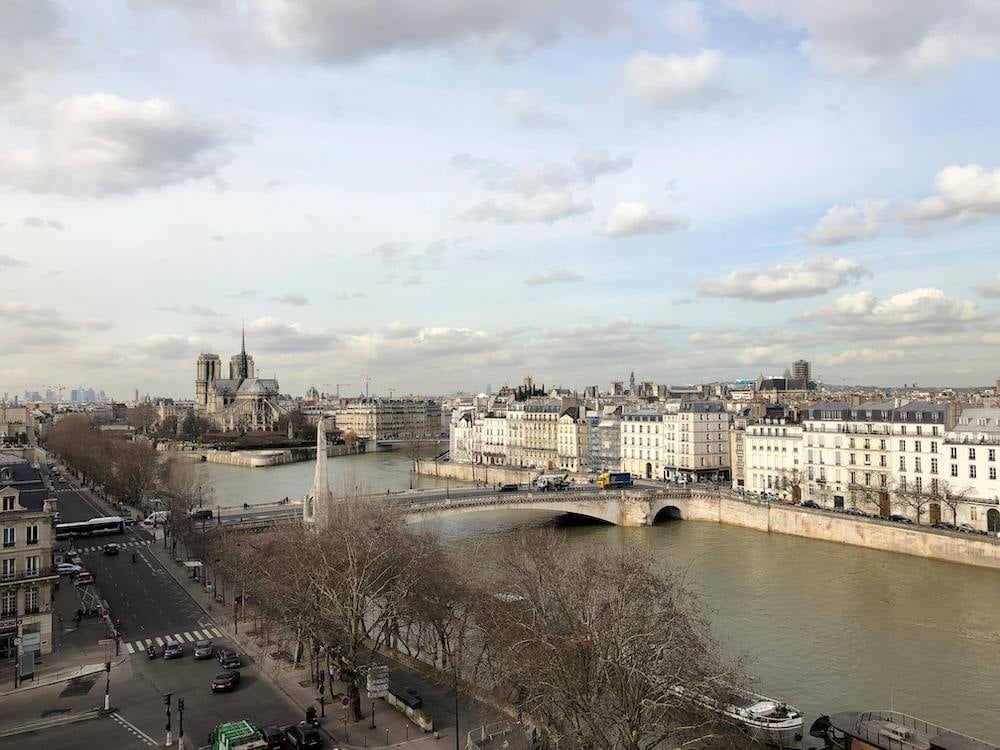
392 728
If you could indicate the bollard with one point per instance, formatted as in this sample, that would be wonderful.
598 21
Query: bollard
387 736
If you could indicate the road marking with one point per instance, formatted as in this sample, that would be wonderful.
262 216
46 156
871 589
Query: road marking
198 635
178 638
159 641
217 633
189 638
133 728
129 647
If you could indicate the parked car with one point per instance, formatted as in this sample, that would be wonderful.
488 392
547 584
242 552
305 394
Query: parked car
67 569
508 488
112 548
274 737
855 512
130 520
945 526
83 578
76 560
967 528
226 682
810 504
228 658
302 736
173 650
896 518
410 698
204 514
203 650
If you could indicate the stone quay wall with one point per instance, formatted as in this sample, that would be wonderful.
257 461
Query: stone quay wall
476 472
259 458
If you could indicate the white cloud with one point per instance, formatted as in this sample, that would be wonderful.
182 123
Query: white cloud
7 261
684 19
808 278
244 294
989 289
675 81
542 208
32 316
170 345
102 144
38 223
533 178
201 310
886 38
556 276
842 224
525 111
628 219
964 194
291 298
925 308
272 335
339 31
863 357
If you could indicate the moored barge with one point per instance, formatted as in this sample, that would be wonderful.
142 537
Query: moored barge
891 730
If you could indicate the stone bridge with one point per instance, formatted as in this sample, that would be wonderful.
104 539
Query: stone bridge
633 507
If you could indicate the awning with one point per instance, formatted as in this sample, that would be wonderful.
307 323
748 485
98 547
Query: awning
193 564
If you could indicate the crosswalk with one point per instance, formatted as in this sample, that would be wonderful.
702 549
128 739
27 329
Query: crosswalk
123 545
204 634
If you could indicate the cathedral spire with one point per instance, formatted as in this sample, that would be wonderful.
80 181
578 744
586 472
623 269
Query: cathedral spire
316 508
244 372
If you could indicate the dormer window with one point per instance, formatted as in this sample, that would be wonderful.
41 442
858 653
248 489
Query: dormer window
8 502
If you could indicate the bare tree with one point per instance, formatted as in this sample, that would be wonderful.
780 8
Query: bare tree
601 649
791 481
953 497
915 498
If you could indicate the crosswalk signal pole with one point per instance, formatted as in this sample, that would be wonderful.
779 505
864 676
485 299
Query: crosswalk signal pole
180 722
107 686
166 703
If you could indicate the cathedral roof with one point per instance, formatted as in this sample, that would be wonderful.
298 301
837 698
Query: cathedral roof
258 387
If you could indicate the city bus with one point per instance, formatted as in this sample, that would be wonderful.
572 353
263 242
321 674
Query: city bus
93 527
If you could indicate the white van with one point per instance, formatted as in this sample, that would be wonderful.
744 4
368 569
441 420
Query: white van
157 516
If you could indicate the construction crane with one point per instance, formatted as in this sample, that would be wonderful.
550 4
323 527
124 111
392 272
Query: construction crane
58 388
338 388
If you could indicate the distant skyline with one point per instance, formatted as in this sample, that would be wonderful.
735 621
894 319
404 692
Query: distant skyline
460 193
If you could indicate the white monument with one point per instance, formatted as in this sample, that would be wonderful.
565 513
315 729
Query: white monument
316 508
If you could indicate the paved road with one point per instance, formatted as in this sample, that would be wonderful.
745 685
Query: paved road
103 731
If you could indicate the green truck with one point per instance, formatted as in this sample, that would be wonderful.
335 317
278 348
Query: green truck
237 734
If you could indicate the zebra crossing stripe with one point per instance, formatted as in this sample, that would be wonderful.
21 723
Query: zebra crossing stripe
189 638
199 636
159 641
178 638
129 647
217 633
149 641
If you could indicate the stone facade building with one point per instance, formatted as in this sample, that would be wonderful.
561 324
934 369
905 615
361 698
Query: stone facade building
239 403
27 576
390 418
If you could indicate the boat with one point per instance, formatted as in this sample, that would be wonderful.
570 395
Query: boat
890 730
766 720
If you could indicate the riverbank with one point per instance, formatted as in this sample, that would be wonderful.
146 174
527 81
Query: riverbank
475 472
267 457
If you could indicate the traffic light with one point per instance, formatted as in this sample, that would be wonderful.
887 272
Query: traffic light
180 705
107 666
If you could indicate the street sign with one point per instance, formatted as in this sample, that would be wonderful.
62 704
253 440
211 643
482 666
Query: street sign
106 642
345 701
17 641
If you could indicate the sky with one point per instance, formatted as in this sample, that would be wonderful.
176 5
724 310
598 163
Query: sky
451 195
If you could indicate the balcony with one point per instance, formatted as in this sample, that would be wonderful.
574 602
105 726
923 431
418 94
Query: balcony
32 610
32 574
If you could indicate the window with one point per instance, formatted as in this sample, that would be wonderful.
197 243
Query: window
8 569
9 536
902 463
882 480
933 446
32 535
8 603
916 464
902 445
902 484
954 470
868 444
954 453
972 471
868 479
972 454
991 455
920 483
934 486
881 445
854 477
8 502
934 466
993 472
934 428
916 446
31 601
902 429
852 460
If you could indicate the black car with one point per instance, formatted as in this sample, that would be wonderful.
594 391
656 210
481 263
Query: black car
201 515
228 658
944 526
508 488
274 737
112 548
226 682
303 736
810 504
896 518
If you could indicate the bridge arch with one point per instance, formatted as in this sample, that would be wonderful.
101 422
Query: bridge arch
668 508
603 509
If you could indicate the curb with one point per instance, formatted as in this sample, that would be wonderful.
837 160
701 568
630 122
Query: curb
99 669
37 726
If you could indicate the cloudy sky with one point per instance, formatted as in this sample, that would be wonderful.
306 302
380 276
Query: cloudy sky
444 195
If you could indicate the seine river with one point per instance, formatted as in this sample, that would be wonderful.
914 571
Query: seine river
827 627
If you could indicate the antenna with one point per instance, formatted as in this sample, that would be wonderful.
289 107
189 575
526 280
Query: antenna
366 380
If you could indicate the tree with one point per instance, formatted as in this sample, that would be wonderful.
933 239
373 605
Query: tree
142 418
915 498
600 648
952 497
194 426
791 481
